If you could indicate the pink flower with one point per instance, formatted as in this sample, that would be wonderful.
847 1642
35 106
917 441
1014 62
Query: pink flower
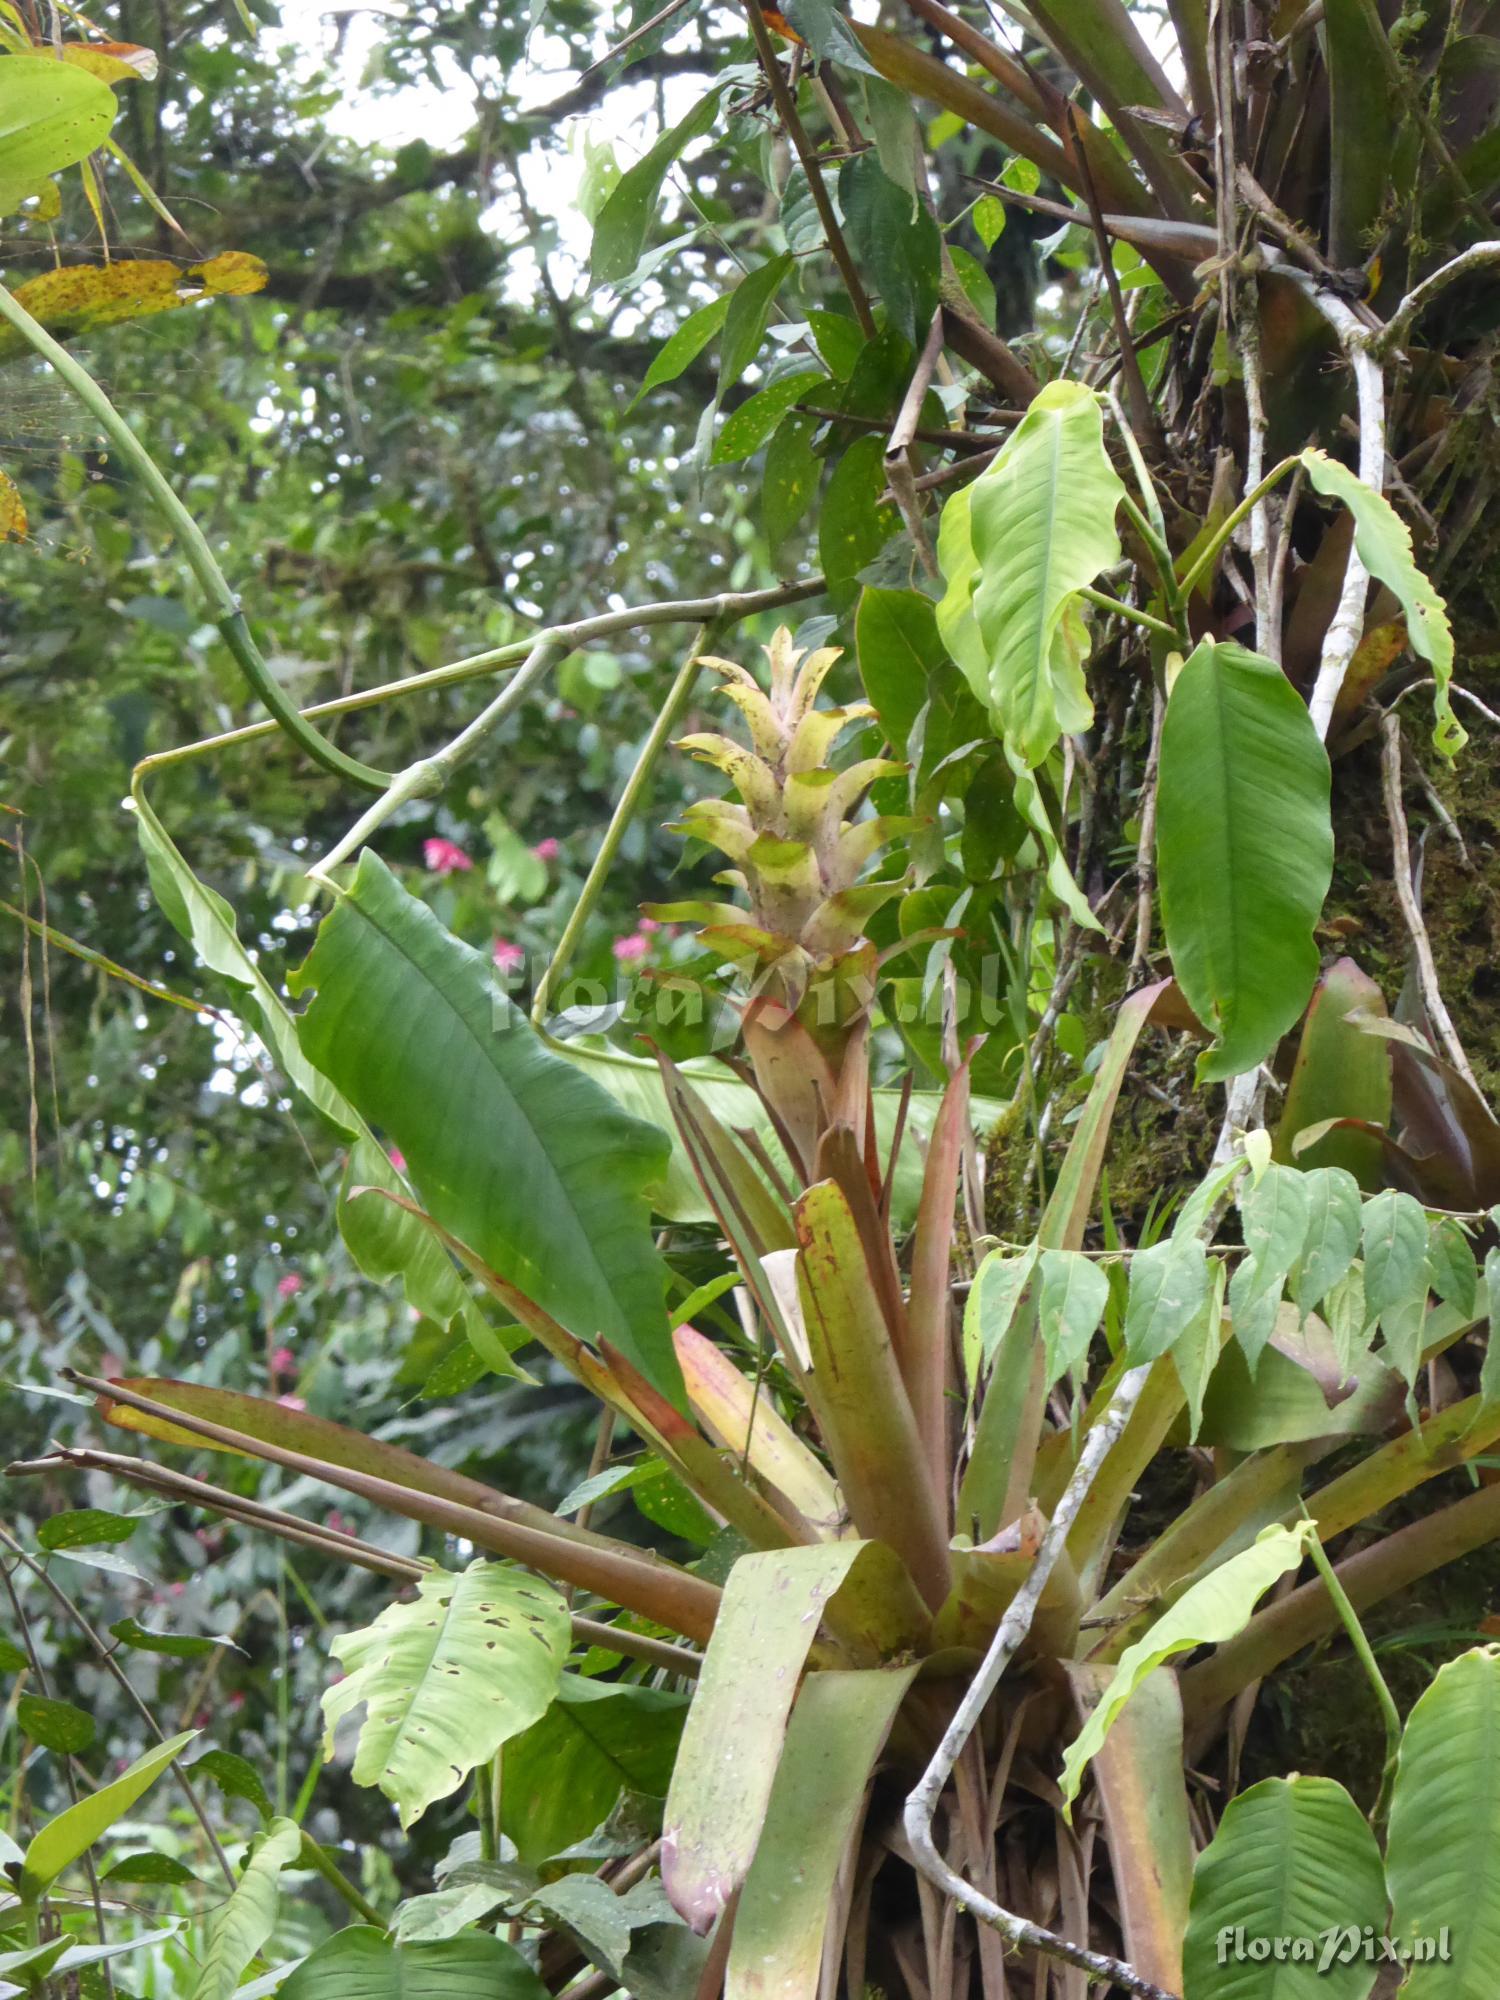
507 954
289 1286
628 949
337 1522
548 849
292 1402
283 1362
398 1159
444 858
649 924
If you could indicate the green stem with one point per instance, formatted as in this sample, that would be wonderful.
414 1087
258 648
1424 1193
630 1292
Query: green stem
1107 603
201 560
314 1855
1389 1713
1166 574
1209 554
624 813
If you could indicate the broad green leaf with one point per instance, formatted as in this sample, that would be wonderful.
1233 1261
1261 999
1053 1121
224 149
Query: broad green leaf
511 1148
1292 1859
991 1305
1394 1237
56 1725
681 349
1383 542
988 217
789 477
446 1678
1033 529
362 1963
853 525
1344 1312
1443 1850
748 427
838 340
64 1839
241 1926
1071 1296
1245 850
895 240
1214 1609
837 1731
52 115
827 32
622 224
159 1870
1198 1349
1273 1212
1168 1289
1451 1269
737 1724
1330 1242
563 1776
83 1527
747 317
236 1777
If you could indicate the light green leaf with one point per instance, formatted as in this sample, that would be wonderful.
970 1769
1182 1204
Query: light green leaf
1344 1312
1331 1240
1168 1289
1489 1374
827 32
988 218
991 1304
623 222
62 1840
1451 1269
837 1731
1033 529
1071 1298
52 115
362 1963
1216 1608
681 349
1198 1348
446 1678
1274 1212
1245 850
511 1149
1383 542
1394 1235
1443 1858
241 1926
1032 808
1292 1859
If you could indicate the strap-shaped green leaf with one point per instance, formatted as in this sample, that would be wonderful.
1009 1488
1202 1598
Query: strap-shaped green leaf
513 1150
1443 1863
446 1678
1292 1875
1383 543
1016 547
1245 850
62 1840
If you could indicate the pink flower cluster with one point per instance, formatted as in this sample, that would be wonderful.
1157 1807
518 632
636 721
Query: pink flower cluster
446 857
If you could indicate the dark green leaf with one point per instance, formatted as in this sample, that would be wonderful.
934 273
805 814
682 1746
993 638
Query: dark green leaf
511 1147
826 30
623 222
159 1870
236 1777
176 1645
790 479
895 238
362 1963
748 427
563 1776
83 1527
682 349
56 1725
854 527
746 319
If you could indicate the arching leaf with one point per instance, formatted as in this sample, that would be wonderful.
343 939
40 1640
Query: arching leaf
362 1963
241 1926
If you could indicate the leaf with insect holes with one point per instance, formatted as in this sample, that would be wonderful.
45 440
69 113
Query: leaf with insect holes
446 1678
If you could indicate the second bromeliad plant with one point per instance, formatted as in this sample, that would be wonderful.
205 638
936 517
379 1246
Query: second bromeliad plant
910 1419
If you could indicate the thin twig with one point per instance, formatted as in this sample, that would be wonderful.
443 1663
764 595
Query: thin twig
1417 300
1145 851
1406 896
899 471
